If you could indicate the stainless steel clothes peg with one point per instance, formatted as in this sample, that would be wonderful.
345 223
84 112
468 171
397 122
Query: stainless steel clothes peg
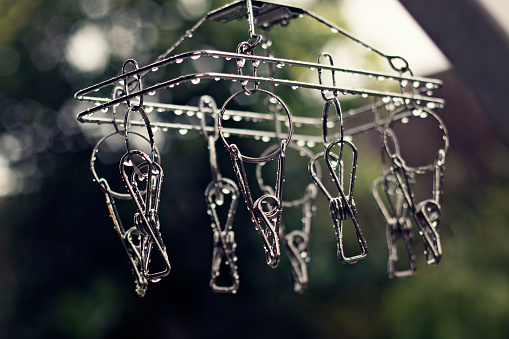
133 250
296 242
268 207
132 239
149 173
342 207
224 237
398 225
146 219
219 187
426 213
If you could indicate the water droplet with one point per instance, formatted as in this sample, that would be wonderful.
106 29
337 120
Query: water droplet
237 118
228 58
312 68
280 65
149 109
195 81
416 112
104 110
226 135
364 95
196 57
404 83
265 139
190 113
424 114
80 97
257 137
154 280
380 78
179 61
311 144
226 117
155 69
386 99
416 84
121 81
276 84
160 110
128 162
404 120
216 79
295 87
183 131
334 30
179 112
301 143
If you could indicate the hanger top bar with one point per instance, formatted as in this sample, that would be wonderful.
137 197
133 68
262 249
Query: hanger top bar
266 14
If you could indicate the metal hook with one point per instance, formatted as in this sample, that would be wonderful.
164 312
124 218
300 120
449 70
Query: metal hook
335 103
132 85
211 139
333 74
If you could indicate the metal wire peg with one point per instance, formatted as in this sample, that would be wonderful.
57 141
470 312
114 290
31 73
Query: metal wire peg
132 239
342 207
218 188
398 225
295 242
427 212
266 210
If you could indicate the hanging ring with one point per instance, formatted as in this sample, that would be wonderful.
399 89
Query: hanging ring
93 158
395 152
243 157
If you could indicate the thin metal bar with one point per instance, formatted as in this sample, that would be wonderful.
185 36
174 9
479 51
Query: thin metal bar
194 78
256 134
264 59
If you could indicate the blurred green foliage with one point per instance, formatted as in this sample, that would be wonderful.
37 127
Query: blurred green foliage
63 273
